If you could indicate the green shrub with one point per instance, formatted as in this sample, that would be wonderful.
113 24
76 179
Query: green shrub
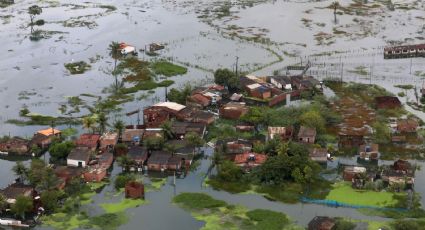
198 201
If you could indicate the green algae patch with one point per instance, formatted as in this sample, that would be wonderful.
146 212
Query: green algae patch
77 67
156 183
344 193
123 205
217 214
64 221
108 221
168 69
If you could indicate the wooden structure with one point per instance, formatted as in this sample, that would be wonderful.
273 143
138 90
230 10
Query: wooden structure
407 51
134 190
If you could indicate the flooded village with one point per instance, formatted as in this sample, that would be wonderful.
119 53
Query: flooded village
244 114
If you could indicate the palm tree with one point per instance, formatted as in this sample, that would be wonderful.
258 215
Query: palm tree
167 131
21 171
88 123
115 53
119 127
102 121
335 5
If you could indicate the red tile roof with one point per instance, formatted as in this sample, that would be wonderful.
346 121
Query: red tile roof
250 158
88 140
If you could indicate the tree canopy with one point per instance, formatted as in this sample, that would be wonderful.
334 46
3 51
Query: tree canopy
227 78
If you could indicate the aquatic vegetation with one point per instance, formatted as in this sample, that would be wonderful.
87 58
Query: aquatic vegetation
344 193
218 214
157 183
123 205
77 67
168 69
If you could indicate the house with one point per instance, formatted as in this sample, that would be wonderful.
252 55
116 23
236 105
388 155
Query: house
302 82
402 166
127 49
321 223
192 114
132 135
198 100
236 97
281 82
259 91
180 129
234 146
175 162
15 190
350 140
95 174
158 161
44 138
15 145
307 135
152 132
138 154
407 126
369 152
387 102
284 133
79 157
351 171
68 173
233 110
249 160
87 140
134 190
108 140
159 113
105 159
320 155
244 128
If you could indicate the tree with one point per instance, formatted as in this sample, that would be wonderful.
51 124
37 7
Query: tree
125 162
226 78
22 205
119 127
115 53
167 131
88 123
74 187
102 121
153 143
217 160
179 96
49 199
282 148
255 116
229 172
3 203
382 133
122 180
21 171
194 140
37 167
61 150
49 180
33 11
313 119
335 5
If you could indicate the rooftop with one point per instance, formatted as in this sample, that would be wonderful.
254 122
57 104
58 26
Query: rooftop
49 131
170 105
80 154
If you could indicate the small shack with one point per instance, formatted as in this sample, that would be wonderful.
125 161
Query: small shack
158 161
134 190
351 171
307 135
79 157
320 155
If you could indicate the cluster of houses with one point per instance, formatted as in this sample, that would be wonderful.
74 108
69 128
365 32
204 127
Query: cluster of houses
400 173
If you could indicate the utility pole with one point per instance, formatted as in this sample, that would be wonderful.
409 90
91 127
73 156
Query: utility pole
237 60
342 71
410 65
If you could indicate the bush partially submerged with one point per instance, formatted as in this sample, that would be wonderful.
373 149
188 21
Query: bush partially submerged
198 201
77 67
